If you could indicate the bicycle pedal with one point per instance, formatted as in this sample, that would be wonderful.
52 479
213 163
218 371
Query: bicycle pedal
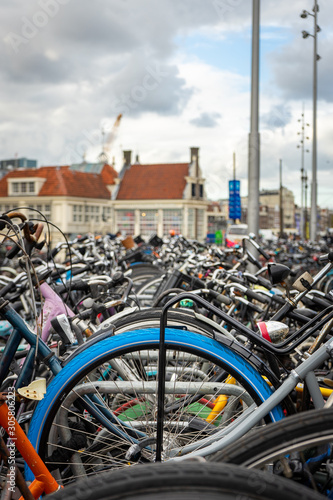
35 390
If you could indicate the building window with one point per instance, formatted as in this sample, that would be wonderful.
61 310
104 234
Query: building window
201 190
193 190
77 213
90 211
23 187
125 221
47 211
172 219
148 222
106 214
200 224
31 214
190 223
44 209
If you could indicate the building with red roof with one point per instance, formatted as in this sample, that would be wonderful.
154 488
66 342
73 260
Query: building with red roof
157 198
75 198
93 197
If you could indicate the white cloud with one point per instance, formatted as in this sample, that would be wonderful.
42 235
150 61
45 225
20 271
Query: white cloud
62 84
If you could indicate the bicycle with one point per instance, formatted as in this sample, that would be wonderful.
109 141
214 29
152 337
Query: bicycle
48 414
214 363
298 448
121 428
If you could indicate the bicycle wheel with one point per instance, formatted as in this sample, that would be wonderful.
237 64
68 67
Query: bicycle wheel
186 481
146 291
141 273
121 372
299 447
329 285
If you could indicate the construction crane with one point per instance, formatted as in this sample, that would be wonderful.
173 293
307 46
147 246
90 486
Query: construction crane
104 156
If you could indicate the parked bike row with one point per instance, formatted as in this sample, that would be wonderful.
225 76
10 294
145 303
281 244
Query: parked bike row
168 368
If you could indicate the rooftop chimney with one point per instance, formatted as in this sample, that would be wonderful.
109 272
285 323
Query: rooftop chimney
127 158
195 160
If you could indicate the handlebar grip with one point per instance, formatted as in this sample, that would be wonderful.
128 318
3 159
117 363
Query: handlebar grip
197 283
321 302
234 279
80 239
223 299
258 296
54 252
253 260
7 288
79 285
263 282
255 307
12 252
278 299
80 270
4 220
263 253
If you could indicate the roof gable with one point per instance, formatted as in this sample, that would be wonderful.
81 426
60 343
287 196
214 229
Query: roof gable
109 174
61 181
154 182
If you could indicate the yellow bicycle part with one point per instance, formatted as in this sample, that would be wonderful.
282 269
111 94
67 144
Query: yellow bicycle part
219 403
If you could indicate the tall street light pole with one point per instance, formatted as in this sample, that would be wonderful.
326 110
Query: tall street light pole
313 214
254 138
281 202
302 147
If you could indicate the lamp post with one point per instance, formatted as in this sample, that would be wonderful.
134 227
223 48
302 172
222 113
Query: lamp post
302 147
305 205
316 57
254 137
281 202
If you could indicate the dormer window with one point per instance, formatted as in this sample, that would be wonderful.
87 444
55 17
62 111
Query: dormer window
25 186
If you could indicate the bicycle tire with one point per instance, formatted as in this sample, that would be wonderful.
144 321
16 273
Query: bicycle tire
83 365
328 285
300 437
185 481
146 290
141 273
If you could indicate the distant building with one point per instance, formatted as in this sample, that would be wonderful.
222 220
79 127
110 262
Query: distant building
92 197
16 163
74 200
216 220
160 197
269 209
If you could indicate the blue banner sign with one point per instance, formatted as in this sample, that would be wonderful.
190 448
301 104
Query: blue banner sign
235 207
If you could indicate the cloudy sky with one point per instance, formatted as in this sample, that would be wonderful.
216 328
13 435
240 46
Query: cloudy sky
178 71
